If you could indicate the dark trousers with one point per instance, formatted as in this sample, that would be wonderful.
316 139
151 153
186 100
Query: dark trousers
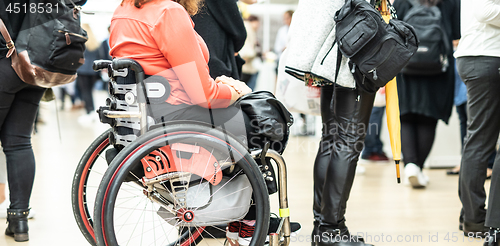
85 85
462 116
417 136
481 76
345 117
373 144
18 107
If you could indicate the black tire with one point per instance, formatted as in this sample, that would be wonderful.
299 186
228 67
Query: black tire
109 225
88 175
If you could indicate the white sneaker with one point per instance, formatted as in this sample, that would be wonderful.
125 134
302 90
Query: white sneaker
360 169
415 177
87 119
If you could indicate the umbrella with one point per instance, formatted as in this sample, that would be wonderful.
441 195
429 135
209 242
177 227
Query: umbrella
392 108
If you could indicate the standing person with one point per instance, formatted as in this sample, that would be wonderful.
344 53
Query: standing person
87 76
220 25
460 102
251 52
345 113
478 60
282 35
373 150
425 99
18 107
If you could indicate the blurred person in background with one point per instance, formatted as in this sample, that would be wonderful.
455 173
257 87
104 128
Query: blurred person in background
281 40
374 148
251 52
425 99
221 26
478 61
87 76
3 181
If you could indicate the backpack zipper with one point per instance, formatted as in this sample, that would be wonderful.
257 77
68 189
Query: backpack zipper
68 39
374 70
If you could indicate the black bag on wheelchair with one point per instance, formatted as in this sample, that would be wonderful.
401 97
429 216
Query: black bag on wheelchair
269 122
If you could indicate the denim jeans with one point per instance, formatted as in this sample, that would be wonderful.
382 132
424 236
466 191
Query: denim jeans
372 140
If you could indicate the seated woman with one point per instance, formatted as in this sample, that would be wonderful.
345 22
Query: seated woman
160 35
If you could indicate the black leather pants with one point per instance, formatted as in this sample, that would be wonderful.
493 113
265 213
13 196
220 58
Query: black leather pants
345 118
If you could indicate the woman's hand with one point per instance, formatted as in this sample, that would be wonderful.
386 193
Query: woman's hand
237 88
240 87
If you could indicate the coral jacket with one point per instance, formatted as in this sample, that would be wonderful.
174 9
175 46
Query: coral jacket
161 37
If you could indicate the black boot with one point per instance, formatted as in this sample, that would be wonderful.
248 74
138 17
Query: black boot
18 224
315 233
337 236
493 239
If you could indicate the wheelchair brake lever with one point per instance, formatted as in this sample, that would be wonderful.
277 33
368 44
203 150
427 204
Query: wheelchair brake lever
264 152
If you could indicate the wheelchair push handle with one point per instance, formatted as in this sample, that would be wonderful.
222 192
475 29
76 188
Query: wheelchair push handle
101 64
127 63
122 63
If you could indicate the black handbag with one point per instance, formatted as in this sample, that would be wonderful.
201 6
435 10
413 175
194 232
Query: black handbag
377 50
269 122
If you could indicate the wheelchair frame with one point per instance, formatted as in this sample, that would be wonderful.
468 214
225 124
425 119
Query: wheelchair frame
140 97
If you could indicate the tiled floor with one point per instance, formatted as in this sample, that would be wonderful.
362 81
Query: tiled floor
385 212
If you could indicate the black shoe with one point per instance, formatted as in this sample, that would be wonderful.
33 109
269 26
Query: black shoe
315 232
18 224
493 239
274 223
215 231
475 229
331 236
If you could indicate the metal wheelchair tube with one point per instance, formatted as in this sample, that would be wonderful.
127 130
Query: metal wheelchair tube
283 195
121 114
141 88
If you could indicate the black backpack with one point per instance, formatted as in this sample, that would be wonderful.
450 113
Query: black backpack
432 54
55 43
377 50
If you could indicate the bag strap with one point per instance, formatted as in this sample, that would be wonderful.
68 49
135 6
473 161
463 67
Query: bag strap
8 39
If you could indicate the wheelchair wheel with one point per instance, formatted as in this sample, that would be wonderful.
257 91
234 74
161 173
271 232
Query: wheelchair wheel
170 184
86 180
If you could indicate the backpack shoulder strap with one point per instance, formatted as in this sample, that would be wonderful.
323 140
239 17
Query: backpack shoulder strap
414 3
7 38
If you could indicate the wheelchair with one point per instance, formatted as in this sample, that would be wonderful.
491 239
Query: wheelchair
147 183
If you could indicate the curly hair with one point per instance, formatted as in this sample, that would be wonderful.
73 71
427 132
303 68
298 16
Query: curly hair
191 6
